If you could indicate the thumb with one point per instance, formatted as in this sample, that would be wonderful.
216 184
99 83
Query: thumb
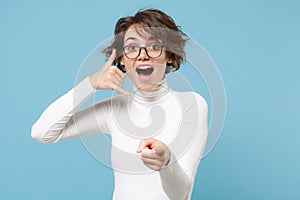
112 57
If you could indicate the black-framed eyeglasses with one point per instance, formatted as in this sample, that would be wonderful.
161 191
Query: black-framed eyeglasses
153 50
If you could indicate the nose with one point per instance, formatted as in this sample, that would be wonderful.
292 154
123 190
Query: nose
143 54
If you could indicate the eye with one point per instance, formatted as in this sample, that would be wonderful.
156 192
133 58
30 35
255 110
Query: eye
155 47
131 47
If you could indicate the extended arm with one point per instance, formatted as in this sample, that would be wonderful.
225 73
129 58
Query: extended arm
178 177
177 164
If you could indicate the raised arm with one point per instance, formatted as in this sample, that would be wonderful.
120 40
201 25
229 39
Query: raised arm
57 122
61 121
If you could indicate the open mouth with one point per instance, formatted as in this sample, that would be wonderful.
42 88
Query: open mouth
144 71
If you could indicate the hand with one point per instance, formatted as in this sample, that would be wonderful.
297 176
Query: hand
155 154
109 77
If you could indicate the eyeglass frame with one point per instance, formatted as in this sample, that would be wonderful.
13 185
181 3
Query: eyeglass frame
145 48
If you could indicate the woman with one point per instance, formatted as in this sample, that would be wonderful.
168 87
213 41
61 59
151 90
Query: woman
148 45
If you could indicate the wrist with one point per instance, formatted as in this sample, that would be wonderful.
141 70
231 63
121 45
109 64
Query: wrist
169 158
93 82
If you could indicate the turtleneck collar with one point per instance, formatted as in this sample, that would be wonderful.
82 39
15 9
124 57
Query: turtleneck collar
152 96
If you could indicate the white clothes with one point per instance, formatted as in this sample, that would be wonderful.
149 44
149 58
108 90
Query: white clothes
178 119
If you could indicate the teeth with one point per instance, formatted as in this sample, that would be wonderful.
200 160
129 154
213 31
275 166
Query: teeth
144 67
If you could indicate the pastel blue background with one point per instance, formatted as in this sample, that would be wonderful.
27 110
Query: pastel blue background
254 43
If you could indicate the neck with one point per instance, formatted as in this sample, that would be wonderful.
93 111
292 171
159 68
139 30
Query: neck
154 95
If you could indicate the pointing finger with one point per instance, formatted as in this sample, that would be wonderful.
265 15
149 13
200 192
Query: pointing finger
142 145
145 143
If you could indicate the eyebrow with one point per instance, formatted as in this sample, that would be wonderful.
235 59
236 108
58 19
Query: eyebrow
130 38
149 39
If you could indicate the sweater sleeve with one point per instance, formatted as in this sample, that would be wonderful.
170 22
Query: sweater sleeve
177 177
60 121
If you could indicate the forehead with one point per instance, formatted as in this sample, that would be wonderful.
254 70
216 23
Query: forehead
138 33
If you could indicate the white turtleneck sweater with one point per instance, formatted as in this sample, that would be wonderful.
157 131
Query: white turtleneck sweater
178 119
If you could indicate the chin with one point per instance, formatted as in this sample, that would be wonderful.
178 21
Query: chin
145 83
146 87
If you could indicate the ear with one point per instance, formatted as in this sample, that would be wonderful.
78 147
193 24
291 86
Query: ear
169 60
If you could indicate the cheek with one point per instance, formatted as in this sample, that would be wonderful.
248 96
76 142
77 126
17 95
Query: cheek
162 70
162 63
128 65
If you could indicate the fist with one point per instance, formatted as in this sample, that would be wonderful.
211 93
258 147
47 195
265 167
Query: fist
154 153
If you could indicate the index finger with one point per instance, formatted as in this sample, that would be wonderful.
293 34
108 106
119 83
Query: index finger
145 143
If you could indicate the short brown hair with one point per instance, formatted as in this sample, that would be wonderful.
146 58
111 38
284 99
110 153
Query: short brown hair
157 24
